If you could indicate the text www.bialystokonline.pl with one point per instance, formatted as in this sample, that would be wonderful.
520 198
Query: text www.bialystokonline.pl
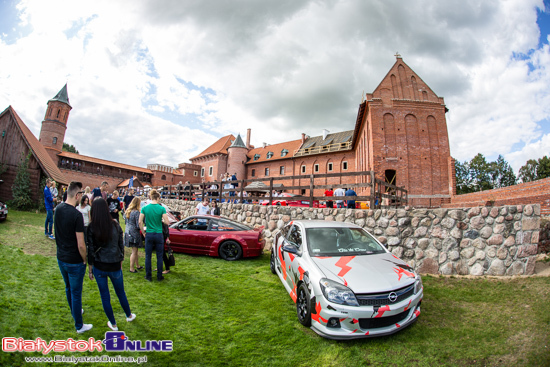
72 359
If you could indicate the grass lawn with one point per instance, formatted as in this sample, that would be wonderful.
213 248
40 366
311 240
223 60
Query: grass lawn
221 313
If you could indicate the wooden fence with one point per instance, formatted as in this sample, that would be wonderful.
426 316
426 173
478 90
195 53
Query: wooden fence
380 193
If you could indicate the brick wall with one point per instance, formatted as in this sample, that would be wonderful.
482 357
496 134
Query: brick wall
536 192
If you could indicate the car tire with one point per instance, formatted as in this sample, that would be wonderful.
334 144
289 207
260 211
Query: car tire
303 305
230 250
272 262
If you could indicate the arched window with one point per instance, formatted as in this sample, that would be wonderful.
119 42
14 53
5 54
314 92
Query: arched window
163 177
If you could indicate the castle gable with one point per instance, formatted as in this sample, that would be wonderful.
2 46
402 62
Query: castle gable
219 146
402 83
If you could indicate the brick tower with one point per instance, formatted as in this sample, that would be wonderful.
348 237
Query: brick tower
404 136
54 125
237 158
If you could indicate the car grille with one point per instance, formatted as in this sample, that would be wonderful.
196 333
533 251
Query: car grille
383 321
380 299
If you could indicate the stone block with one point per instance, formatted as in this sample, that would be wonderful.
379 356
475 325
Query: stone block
329 218
517 268
529 224
429 266
484 212
526 237
535 237
397 251
474 212
419 212
457 214
382 222
527 250
495 240
502 253
447 269
402 222
392 231
448 223
530 266
465 243
448 244
497 268
394 241
340 218
442 257
409 253
383 240
456 233
528 210
378 231
467 253
407 232
476 270
426 222
271 225
423 243
462 268
359 214
377 214
401 213
477 222
486 232
370 222
494 212
418 253
420 232
390 213
440 212
471 234
479 243
415 221
461 225
491 251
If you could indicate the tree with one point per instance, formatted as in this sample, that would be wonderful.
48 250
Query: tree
69 148
543 169
528 172
502 174
480 173
463 179
21 188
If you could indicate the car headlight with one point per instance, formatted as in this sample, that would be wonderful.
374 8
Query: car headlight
337 293
418 284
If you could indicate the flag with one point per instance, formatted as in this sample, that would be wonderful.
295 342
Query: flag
131 184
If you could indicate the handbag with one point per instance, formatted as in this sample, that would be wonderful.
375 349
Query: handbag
170 255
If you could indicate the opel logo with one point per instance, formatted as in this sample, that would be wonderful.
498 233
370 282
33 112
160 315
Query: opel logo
392 297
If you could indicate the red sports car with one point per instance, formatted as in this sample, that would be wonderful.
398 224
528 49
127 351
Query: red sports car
216 236
286 199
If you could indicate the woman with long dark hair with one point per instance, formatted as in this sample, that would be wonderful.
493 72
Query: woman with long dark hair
105 255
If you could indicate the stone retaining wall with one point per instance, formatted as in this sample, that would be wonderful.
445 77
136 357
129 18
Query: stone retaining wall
466 241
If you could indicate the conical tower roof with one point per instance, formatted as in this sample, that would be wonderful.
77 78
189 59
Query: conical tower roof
238 143
62 96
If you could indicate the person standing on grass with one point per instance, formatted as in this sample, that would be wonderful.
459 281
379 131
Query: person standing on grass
128 199
154 214
71 251
84 208
114 205
105 257
101 191
48 203
132 237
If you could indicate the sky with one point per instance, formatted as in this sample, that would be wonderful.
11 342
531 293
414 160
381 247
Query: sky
158 81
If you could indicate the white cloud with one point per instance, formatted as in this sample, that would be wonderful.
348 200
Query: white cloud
189 72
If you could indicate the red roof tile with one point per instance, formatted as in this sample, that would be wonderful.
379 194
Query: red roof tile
219 146
44 160
292 146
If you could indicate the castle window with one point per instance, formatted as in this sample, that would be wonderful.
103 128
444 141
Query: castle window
284 152
195 173
344 166
58 112
315 168
269 155
163 177
267 171
202 172
256 157
303 169
55 140
282 170
253 173
210 171
330 166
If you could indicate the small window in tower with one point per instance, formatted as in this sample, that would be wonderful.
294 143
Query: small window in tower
210 170
303 169
267 171
253 173
55 140
202 172
195 173
316 168
282 170
330 166
344 165
58 112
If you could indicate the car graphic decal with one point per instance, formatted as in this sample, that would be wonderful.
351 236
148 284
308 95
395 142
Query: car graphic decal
291 257
302 272
345 282
397 325
354 331
343 263
367 333
343 319
293 293
417 312
400 272
380 310
354 321
283 263
317 315
407 307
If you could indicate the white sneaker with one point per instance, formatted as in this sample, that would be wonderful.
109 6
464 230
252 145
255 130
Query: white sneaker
85 327
131 318
114 328
82 311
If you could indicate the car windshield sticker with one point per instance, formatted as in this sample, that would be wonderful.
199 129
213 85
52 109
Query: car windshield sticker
343 263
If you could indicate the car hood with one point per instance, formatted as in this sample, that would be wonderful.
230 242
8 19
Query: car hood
367 273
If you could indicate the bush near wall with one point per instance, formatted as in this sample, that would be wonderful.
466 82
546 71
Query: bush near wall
465 241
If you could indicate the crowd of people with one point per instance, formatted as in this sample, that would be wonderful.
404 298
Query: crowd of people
87 232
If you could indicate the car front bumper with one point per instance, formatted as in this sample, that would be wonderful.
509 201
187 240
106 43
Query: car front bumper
364 321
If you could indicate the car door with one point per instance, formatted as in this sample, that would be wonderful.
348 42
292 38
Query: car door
187 236
294 260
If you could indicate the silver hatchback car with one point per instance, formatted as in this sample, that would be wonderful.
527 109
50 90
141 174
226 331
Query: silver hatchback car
345 284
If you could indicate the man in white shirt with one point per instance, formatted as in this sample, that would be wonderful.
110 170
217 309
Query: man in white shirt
340 192
202 207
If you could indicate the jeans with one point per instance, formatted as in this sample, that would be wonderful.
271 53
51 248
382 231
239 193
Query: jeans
339 205
73 275
48 225
153 241
103 285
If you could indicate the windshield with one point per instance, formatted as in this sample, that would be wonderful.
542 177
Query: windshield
341 241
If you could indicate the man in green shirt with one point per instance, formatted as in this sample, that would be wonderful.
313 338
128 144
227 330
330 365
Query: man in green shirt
154 214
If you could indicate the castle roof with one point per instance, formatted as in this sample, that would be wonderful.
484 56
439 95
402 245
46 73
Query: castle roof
104 162
284 150
238 143
335 142
220 146
39 152
62 96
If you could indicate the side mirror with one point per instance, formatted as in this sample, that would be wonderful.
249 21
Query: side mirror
290 249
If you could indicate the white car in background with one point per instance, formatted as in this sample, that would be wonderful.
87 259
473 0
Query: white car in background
345 284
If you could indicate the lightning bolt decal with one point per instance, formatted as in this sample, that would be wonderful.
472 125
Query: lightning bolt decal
343 263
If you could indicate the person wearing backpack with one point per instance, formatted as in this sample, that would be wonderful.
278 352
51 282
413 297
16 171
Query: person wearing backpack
105 257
